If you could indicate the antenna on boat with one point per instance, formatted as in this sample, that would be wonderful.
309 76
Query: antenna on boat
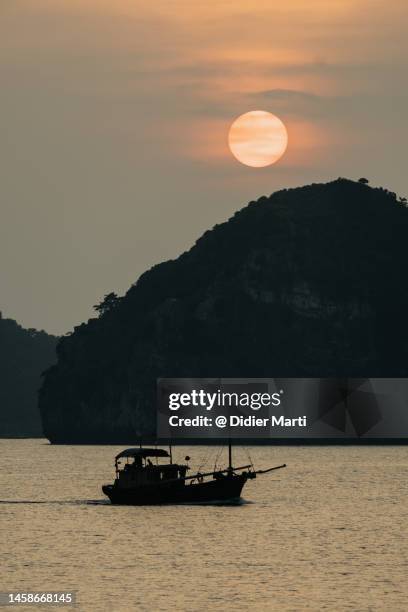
229 441
171 453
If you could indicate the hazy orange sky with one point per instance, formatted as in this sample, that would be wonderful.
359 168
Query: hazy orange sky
115 118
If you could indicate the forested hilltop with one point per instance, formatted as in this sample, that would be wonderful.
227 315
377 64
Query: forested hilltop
307 282
24 355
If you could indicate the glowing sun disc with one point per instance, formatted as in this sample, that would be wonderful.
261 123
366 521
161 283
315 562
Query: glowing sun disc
257 139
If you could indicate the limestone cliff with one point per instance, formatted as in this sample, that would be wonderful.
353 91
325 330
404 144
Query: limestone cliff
306 282
24 354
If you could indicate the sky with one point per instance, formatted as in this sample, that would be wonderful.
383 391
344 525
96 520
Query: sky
114 123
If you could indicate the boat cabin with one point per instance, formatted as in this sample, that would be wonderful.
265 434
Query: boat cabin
134 467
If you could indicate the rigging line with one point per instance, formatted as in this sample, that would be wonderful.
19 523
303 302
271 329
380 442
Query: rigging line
218 456
249 456
204 459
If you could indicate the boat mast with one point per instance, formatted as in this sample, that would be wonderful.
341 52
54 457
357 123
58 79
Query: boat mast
170 453
229 440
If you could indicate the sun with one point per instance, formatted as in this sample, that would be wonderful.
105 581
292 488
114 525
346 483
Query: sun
257 138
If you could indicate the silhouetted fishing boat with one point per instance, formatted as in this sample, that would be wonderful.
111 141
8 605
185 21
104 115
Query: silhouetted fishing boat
139 481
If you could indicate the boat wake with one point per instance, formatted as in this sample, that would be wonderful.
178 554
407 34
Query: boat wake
222 502
69 502
105 502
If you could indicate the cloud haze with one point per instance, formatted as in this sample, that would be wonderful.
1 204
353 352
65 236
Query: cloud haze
115 117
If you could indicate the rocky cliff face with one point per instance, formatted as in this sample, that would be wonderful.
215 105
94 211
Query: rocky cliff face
306 282
24 355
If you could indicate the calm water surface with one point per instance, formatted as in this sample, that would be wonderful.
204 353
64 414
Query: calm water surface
327 533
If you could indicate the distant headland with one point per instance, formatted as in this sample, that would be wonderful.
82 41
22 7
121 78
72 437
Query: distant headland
24 355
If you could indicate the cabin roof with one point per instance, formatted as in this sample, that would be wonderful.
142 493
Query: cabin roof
143 452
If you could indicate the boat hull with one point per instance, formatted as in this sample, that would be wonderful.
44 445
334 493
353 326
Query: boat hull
217 490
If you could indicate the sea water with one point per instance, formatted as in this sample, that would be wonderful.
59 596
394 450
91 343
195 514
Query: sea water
329 532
